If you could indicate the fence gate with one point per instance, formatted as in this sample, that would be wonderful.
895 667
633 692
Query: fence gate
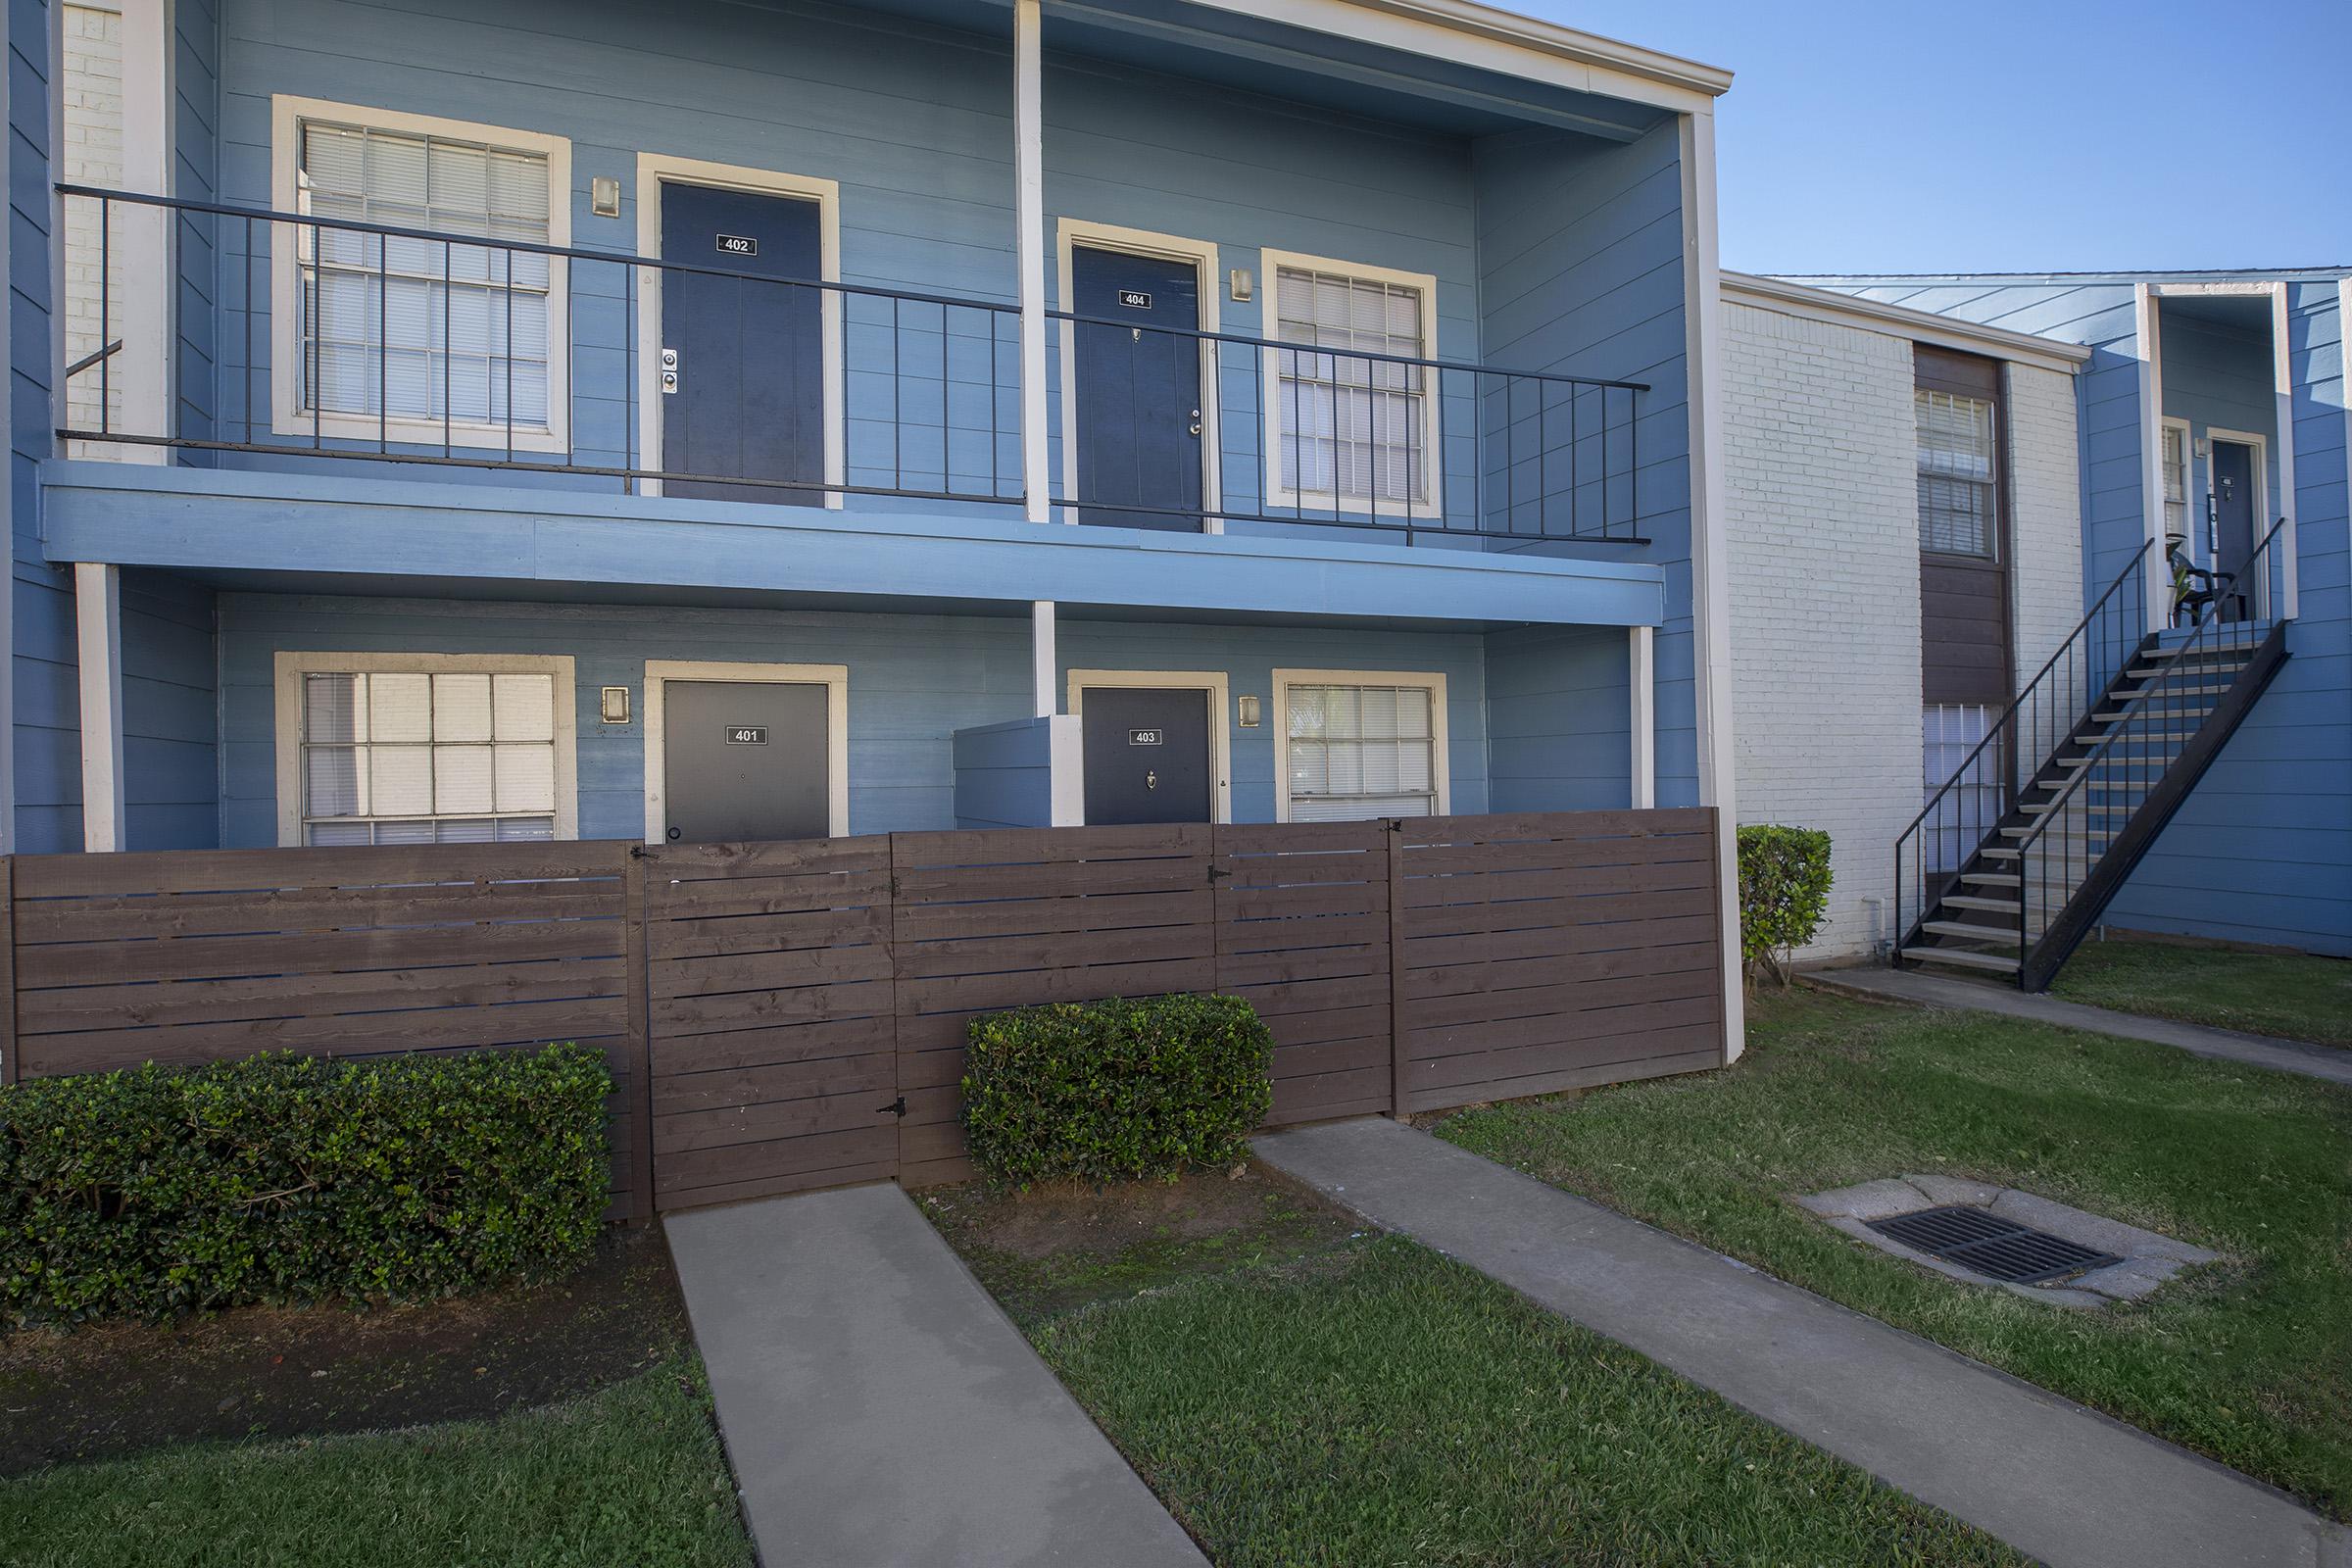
769 1018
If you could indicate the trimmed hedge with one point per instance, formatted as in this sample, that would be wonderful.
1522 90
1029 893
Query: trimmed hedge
1116 1090
285 1177
1783 888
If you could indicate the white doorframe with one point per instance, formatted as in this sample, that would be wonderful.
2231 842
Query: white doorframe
835 678
1202 253
654 170
1220 711
2261 504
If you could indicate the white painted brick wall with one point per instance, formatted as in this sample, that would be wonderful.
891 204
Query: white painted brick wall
92 45
1820 457
2045 499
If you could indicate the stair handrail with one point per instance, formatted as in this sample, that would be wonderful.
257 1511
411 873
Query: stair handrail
2074 649
1995 728
2256 569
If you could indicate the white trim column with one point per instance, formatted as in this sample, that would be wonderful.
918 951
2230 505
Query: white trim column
98 640
1043 658
2283 368
2147 338
1711 548
1641 688
1029 219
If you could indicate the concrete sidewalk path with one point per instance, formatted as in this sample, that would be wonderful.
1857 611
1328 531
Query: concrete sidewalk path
881 1410
2224 1044
2048 1476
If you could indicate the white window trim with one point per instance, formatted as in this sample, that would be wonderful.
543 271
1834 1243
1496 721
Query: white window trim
1441 762
1202 253
654 170
293 666
835 678
143 369
1280 495
287 415
1220 717
2190 514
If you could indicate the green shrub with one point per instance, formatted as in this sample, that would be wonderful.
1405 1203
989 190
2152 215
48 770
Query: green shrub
1784 887
285 1177
1117 1090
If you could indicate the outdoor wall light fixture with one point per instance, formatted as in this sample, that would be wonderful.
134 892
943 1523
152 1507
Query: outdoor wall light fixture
613 709
604 196
1242 285
1248 713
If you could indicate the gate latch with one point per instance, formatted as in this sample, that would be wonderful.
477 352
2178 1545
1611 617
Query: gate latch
896 1107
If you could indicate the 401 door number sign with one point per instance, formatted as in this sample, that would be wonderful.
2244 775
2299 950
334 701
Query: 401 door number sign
747 734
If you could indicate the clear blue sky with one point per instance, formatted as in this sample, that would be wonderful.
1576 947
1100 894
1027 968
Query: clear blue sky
2060 135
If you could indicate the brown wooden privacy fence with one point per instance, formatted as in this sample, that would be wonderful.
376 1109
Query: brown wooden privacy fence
781 1016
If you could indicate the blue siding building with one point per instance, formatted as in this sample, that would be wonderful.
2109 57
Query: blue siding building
2199 388
451 421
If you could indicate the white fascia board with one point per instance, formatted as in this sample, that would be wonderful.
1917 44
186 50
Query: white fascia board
1897 320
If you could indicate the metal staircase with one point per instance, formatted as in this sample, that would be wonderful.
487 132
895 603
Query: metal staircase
2013 859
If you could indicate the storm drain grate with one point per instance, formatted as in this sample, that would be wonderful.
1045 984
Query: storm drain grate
1987 1244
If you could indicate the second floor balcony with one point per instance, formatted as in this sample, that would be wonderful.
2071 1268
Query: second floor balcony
1306 273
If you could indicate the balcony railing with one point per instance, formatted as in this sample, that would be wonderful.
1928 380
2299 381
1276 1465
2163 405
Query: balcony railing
308 336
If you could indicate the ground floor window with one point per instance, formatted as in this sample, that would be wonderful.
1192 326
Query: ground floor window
1359 746
381 749
1951 733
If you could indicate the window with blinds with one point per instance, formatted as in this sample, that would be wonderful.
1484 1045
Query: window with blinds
1351 431
1357 752
1950 733
446 758
2176 480
418 330
1958 508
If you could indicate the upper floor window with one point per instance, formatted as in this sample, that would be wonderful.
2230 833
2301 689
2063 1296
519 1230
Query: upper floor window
425 749
419 339
1958 505
1352 433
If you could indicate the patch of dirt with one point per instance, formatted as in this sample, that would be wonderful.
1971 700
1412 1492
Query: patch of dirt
110 1388
1061 1246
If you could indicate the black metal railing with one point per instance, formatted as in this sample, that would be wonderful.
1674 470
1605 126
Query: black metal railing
338 337
2190 674
422 347
1291 432
1967 805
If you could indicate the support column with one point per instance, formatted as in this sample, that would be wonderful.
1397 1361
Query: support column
1029 216
98 635
2282 370
1044 658
1641 687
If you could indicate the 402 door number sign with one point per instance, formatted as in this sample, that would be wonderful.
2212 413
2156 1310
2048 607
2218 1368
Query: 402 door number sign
738 245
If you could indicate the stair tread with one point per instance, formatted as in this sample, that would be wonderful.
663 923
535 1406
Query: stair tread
1973 933
1992 879
1976 900
1963 958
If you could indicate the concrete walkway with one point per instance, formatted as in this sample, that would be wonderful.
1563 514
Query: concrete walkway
2224 1044
880 1409
2049 1477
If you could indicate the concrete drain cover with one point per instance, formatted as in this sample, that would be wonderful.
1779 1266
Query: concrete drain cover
1998 1236
1984 1243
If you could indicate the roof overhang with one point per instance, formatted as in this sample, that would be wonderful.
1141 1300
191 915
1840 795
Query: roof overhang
1896 320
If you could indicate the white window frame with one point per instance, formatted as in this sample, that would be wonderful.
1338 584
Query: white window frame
1220 717
1203 255
835 678
1441 762
1280 495
288 414
2190 514
291 667
653 170
142 370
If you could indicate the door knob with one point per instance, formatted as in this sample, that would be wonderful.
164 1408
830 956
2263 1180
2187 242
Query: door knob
673 832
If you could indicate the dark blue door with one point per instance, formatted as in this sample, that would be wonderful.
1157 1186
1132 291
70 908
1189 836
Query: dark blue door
1146 755
2232 539
1138 391
751 395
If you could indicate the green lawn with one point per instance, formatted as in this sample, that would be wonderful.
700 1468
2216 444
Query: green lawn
1364 1403
2291 994
631 1474
2249 1361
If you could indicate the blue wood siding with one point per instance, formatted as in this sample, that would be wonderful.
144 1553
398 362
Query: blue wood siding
195 120
1004 774
2220 377
1581 256
913 681
171 715
1559 721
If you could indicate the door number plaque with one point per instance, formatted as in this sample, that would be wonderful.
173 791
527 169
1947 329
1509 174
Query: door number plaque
1135 299
747 734
1143 737
738 245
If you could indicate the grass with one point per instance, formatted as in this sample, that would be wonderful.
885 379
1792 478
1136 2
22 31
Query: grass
2292 995
630 1473
1356 1401
2249 1361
